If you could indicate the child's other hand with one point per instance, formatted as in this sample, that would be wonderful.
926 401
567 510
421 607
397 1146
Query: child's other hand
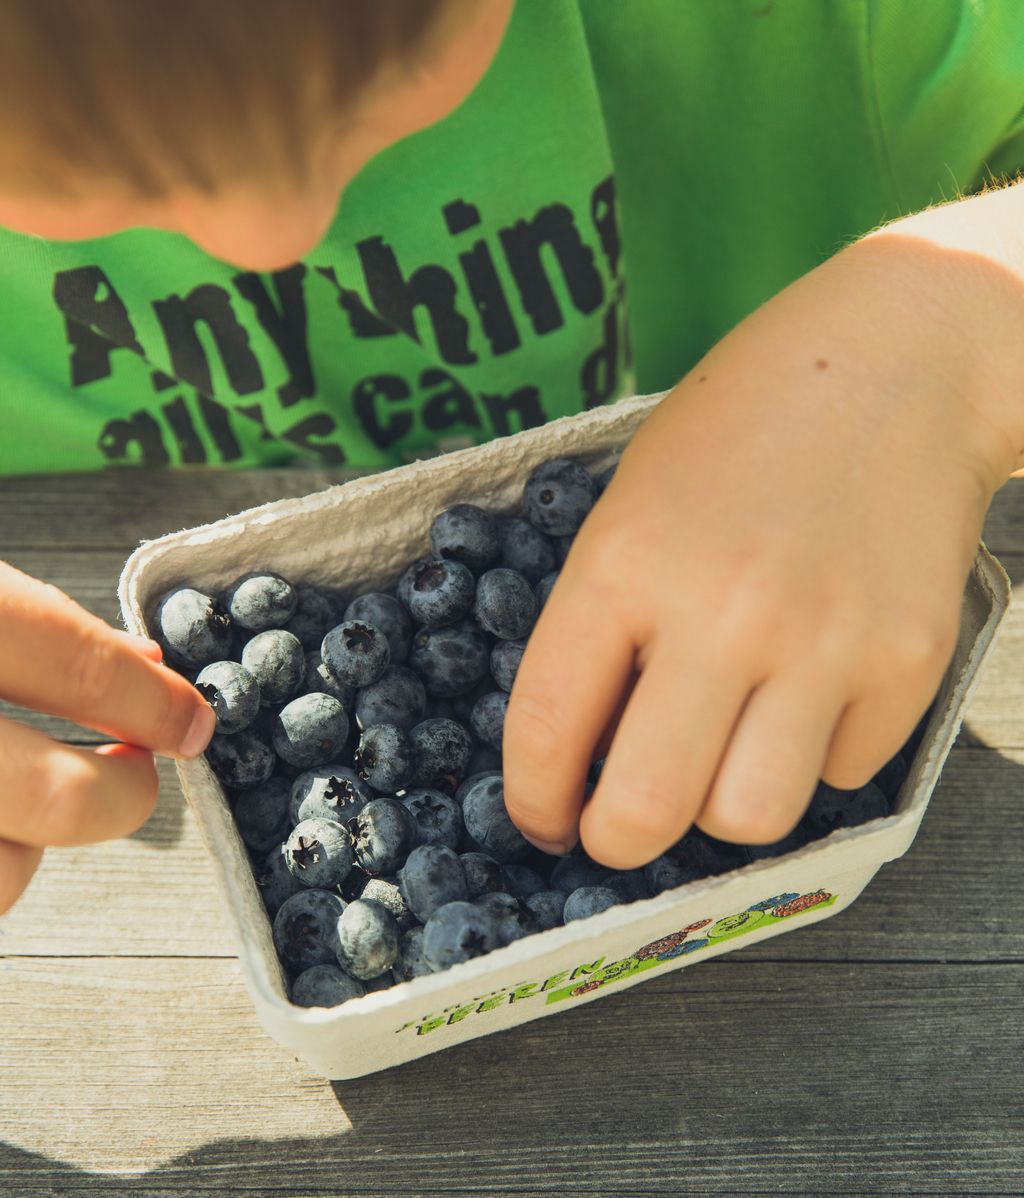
59 658
779 564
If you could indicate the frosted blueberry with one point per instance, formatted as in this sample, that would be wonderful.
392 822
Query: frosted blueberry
232 692
310 730
505 604
276 660
458 931
260 600
355 653
367 939
192 629
431 876
489 824
306 929
386 613
441 592
587 901
384 757
325 986
397 697
318 852
557 497
467 534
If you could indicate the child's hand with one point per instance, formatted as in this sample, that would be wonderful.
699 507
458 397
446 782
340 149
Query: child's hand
781 556
58 658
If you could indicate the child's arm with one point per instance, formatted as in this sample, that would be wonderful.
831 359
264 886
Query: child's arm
57 657
783 550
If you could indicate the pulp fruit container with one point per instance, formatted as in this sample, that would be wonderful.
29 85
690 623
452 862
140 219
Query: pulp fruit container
359 536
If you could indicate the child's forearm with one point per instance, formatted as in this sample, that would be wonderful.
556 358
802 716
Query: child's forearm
961 268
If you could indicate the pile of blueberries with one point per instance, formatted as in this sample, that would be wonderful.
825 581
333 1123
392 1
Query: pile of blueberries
359 744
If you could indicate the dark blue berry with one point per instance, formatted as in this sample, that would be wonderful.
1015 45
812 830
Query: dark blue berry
831 808
397 697
666 873
276 660
306 929
557 497
602 480
521 881
466 785
438 817
261 814
391 617
488 822
547 906
483 760
452 660
274 880
319 853
505 659
356 653
441 592
542 591
383 834
310 730
317 612
788 844
367 939
317 679
575 871
483 874
487 718
384 757
241 759
457 932
441 750
629 884
525 550
562 546
259 601
891 776
514 918
410 962
431 876
331 791
325 986
505 604
232 692
192 629
467 534
587 901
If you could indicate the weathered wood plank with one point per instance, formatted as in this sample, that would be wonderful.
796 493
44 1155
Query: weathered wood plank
956 895
855 1079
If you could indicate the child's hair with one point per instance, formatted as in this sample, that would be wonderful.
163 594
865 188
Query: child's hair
156 92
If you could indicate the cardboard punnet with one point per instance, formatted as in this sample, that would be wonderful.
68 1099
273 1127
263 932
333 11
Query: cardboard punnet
360 535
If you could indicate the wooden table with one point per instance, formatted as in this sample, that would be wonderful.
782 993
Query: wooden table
880 1052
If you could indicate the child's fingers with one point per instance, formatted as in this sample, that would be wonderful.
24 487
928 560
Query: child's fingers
774 758
569 681
664 755
59 658
56 794
18 862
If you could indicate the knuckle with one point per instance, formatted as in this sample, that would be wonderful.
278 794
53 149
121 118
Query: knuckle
642 816
915 645
92 668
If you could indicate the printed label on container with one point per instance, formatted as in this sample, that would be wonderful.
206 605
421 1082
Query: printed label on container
589 976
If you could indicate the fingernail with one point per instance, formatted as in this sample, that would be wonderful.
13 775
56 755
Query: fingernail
550 847
199 733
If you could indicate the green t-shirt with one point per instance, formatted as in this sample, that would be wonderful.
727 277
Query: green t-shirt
629 179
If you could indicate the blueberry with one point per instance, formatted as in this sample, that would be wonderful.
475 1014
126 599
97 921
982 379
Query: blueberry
557 497
306 929
441 750
525 550
488 822
318 610
192 629
441 592
666 873
385 891
385 757
483 760
367 939
457 932
384 832
465 533
575 871
542 591
466 785
431 876
788 844
241 759
318 680
261 814
410 963
461 706
274 880
383 981
514 918
232 692
547 906
319 853
721 855
629 884
310 730
397 697
891 776
403 588
831 808
259 601
276 660
487 718
505 604
325 986
587 901
356 653
697 855
331 791
483 874
562 546
521 881
438 817
452 660
602 480
505 659
391 617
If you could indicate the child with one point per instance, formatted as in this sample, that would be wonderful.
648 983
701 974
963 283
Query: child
769 591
